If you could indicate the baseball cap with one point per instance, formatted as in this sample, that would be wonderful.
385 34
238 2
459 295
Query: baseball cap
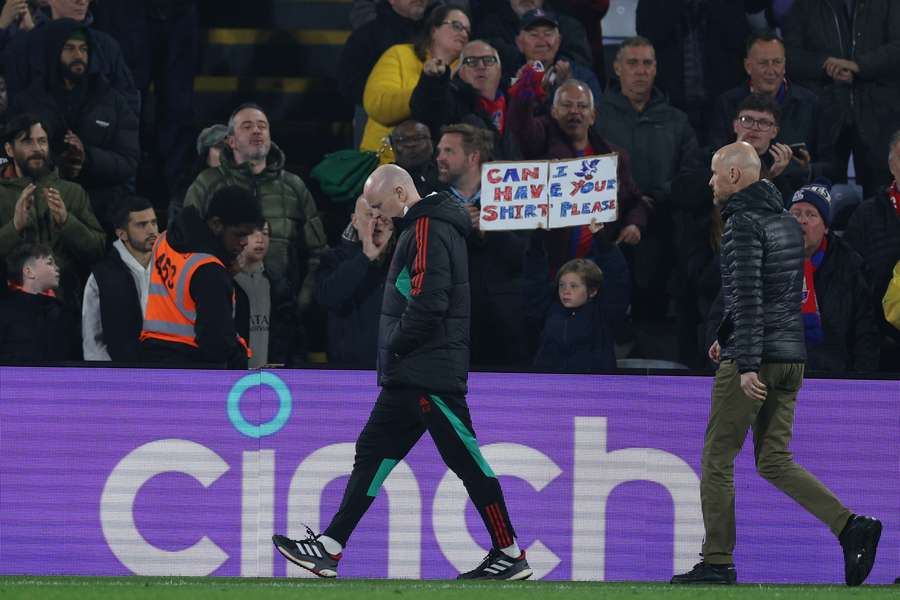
538 16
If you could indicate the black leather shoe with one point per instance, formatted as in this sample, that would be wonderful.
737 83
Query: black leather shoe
708 574
859 539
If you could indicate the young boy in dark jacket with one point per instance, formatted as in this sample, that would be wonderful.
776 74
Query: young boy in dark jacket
576 334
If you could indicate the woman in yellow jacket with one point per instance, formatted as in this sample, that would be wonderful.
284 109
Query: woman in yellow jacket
395 75
891 300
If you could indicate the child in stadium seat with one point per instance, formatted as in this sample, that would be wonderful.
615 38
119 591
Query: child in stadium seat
576 334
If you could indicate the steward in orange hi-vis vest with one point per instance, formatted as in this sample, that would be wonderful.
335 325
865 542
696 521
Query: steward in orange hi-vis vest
171 311
190 304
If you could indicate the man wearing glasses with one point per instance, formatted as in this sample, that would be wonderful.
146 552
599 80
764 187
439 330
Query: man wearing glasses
414 151
800 121
757 123
473 96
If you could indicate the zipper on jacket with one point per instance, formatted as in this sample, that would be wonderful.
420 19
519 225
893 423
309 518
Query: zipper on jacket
837 26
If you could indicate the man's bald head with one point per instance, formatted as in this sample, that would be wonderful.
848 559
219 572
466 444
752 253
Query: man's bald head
573 110
389 190
734 167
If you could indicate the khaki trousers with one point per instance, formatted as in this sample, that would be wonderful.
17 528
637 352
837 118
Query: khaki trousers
772 420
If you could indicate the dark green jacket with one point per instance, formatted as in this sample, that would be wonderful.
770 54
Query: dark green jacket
658 139
76 245
297 231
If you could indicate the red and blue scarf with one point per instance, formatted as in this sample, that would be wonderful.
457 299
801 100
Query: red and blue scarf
812 320
894 196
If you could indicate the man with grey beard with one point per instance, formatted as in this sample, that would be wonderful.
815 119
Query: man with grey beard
253 161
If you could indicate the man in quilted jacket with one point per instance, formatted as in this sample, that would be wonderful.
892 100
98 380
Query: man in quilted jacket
761 354
254 162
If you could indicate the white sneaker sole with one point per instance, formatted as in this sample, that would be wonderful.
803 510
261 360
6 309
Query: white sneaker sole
326 573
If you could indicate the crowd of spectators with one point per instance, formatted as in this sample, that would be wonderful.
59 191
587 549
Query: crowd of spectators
94 92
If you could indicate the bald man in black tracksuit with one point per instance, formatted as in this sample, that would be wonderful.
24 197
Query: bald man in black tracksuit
423 360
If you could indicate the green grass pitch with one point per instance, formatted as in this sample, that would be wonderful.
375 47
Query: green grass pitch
203 588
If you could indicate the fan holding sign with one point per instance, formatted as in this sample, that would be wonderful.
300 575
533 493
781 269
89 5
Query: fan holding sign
567 135
552 194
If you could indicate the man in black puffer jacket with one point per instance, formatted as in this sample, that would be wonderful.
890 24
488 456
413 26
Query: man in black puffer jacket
423 367
762 351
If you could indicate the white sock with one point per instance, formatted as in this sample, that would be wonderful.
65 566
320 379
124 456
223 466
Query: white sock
512 551
331 545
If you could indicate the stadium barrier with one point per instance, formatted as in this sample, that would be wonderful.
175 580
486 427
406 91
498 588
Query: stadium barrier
156 472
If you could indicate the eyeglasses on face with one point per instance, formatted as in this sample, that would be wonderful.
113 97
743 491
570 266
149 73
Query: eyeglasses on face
457 27
473 61
749 122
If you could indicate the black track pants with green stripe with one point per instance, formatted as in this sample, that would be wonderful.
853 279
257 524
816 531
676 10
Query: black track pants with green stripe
398 420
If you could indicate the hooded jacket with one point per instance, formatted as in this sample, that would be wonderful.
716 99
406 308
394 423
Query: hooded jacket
423 339
76 245
288 206
212 289
762 280
94 111
25 62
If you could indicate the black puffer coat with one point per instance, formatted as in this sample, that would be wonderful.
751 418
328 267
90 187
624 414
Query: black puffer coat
423 338
762 280
848 319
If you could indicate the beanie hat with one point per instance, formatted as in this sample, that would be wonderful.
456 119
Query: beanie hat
209 137
79 35
818 193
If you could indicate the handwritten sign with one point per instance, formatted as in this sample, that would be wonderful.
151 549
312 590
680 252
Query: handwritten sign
514 195
564 193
